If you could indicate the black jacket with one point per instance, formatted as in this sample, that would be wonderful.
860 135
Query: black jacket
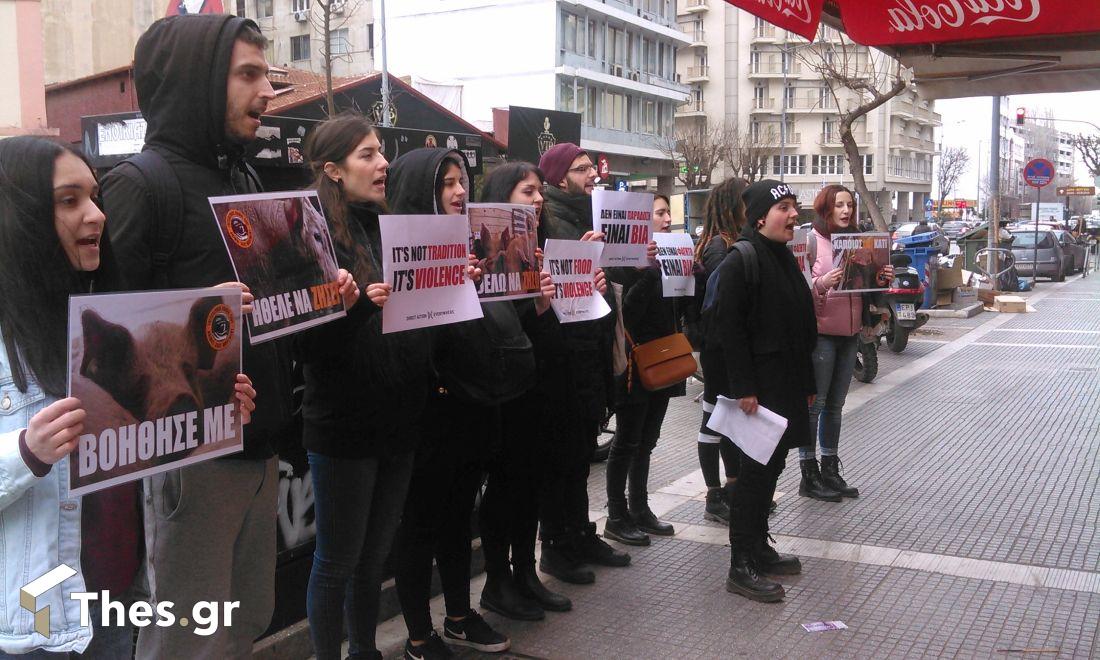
181 69
648 315
767 334
363 390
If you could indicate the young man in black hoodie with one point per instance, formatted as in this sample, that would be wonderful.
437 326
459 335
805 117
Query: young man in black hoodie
210 528
584 386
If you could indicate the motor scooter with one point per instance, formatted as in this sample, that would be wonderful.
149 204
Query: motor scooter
893 315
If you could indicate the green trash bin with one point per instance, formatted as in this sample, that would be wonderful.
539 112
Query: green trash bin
975 240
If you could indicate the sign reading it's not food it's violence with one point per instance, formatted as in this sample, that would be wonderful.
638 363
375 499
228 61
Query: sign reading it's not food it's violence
281 247
156 373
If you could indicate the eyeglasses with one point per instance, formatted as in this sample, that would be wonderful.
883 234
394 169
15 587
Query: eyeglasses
582 169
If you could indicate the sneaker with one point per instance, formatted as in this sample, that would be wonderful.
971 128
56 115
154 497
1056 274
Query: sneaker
472 631
433 649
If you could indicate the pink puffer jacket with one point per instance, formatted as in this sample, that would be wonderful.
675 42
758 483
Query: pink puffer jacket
839 314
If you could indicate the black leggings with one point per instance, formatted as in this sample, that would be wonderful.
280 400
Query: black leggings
752 497
446 476
637 429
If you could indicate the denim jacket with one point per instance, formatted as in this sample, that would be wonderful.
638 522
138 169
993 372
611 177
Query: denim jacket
39 530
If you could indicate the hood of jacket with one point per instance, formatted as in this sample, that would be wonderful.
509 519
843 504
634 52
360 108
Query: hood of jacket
410 183
181 69
566 215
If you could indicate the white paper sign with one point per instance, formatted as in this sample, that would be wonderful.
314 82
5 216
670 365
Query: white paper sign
757 435
800 248
572 267
425 257
121 138
676 255
624 219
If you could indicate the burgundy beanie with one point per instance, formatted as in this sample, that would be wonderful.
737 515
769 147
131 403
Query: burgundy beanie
556 161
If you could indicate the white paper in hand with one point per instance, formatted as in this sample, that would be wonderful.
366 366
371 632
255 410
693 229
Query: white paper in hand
757 435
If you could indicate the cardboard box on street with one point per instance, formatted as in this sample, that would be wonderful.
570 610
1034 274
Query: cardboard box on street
1009 304
944 297
965 295
950 274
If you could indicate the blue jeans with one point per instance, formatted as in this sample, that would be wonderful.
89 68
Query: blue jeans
834 361
357 504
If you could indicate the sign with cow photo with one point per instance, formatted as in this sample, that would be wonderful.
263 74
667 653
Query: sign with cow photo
155 372
503 237
281 247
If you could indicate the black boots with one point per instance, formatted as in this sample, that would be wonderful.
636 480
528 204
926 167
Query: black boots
562 560
812 484
772 563
591 549
531 587
500 595
717 509
622 529
830 475
647 521
744 579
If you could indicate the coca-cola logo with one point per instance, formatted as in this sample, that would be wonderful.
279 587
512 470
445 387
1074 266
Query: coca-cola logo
908 16
796 9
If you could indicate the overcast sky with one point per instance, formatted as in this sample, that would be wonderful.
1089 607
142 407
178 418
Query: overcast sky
966 121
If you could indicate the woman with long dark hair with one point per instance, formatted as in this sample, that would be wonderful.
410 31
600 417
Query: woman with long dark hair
363 392
723 220
510 506
839 319
53 244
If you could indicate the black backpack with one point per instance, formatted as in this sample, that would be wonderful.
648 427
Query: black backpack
490 360
709 311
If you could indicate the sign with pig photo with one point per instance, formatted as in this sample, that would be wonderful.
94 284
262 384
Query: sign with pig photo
155 372
281 248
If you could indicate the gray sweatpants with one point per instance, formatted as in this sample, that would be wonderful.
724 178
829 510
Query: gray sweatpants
210 536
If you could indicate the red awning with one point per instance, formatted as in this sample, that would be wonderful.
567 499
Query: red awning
798 16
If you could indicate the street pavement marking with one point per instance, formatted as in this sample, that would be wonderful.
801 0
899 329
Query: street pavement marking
997 343
1064 332
929 341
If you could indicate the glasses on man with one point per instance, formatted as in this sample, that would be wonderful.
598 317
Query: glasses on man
582 169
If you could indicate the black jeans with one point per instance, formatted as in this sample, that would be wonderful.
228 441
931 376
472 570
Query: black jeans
509 514
752 496
436 524
637 429
563 509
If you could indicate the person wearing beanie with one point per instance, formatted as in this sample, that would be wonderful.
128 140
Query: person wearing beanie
766 331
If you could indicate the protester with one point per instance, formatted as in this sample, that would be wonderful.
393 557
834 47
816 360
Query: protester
639 413
362 389
579 383
53 244
509 512
839 319
202 85
461 428
723 220
765 331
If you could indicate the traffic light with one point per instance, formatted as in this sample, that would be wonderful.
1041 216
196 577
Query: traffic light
1020 116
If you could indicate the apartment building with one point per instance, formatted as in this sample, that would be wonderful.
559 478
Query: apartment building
612 61
750 74
296 34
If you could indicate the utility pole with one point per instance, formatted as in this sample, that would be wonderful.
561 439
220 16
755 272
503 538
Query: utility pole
994 228
385 71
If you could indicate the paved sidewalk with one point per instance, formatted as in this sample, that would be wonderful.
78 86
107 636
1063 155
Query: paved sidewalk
977 454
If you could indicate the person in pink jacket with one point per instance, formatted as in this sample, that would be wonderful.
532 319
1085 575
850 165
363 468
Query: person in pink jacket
839 319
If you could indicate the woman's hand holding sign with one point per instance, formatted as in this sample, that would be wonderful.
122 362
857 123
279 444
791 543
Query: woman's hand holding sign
246 395
546 285
379 292
52 433
472 271
601 281
349 290
886 275
592 236
831 279
246 295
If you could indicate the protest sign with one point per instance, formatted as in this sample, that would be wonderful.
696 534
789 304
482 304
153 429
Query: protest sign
800 248
155 372
572 267
281 248
503 237
676 255
862 256
624 219
424 258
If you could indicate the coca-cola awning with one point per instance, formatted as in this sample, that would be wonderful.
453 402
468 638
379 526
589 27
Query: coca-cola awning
798 16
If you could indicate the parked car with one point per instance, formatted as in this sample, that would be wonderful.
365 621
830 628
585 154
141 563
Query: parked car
1092 227
1074 250
955 228
1051 259
940 242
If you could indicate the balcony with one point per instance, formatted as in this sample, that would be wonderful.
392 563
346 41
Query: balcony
811 104
765 33
693 108
692 7
916 112
697 74
763 105
914 143
697 35
771 68
832 139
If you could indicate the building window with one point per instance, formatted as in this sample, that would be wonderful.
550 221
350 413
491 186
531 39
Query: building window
868 163
592 38
299 5
793 164
788 97
590 107
264 8
299 47
614 111
830 131
338 42
661 50
370 37
240 9
565 95
569 33
649 113
760 96
754 61
828 164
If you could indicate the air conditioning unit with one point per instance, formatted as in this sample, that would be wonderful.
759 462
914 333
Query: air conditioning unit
337 7
634 76
617 70
301 15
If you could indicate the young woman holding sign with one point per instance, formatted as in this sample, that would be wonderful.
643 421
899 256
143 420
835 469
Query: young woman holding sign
363 393
54 243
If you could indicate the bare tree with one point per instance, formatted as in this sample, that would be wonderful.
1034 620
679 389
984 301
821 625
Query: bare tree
697 150
746 155
326 17
859 81
1089 148
954 162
